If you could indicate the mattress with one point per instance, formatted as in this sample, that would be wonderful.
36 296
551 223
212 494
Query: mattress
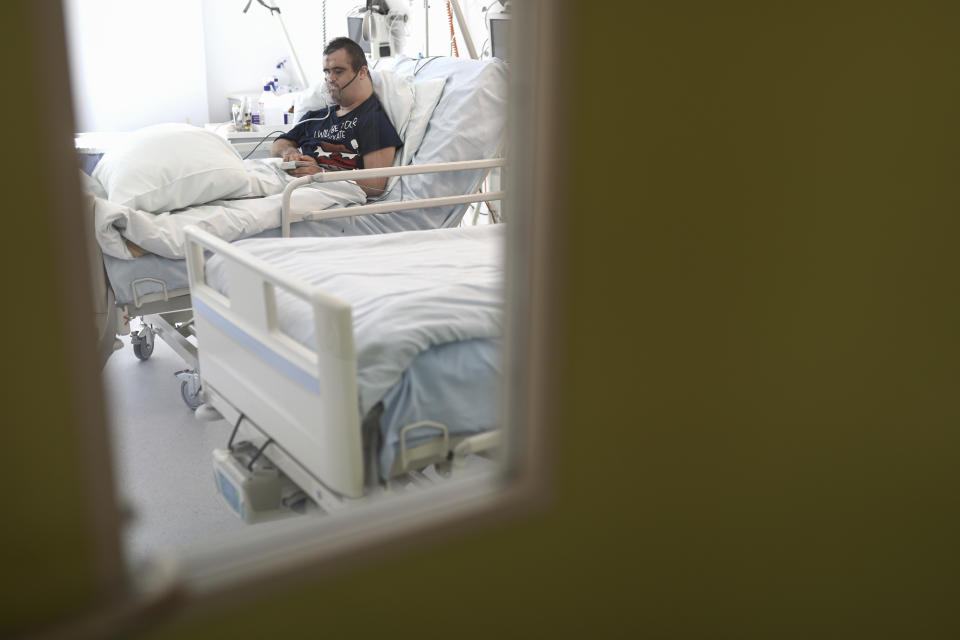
133 279
456 384
427 314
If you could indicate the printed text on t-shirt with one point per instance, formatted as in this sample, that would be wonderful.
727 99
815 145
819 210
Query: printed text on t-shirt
337 131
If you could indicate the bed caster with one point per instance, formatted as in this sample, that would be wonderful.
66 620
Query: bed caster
190 389
142 342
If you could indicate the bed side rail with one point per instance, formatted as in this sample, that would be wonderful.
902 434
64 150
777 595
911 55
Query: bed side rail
198 239
305 399
288 217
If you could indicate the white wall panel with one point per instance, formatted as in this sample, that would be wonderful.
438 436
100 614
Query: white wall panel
135 63
138 62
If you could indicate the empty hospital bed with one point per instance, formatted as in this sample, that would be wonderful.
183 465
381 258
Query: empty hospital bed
348 362
465 122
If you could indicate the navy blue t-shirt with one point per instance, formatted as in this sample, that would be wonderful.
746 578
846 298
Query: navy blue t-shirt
339 143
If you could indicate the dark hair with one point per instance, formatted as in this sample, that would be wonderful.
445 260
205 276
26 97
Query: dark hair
357 58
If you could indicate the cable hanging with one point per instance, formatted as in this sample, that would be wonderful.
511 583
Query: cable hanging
262 3
323 9
453 36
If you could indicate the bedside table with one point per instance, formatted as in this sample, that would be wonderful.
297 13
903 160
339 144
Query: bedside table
246 141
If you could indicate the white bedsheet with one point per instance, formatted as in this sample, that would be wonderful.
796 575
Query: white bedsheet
409 291
162 233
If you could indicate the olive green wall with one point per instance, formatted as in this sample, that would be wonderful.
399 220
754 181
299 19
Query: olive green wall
45 546
759 429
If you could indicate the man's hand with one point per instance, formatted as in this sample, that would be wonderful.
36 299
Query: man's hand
299 172
289 152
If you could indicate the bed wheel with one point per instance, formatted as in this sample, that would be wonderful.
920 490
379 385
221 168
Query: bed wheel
142 342
190 388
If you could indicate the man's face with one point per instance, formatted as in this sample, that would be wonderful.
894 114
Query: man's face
337 74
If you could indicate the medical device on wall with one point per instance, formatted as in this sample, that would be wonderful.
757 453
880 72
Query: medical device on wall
498 26
377 29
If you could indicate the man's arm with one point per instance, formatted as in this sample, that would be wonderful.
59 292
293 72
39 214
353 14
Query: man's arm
282 147
376 160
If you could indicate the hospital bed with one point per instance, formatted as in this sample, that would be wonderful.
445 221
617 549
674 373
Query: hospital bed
465 123
350 362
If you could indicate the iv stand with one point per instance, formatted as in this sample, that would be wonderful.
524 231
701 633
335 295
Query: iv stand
464 31
293 52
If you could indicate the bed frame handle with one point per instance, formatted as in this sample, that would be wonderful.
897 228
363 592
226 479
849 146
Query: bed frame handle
422 423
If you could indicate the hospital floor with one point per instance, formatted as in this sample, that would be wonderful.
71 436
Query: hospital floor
163 456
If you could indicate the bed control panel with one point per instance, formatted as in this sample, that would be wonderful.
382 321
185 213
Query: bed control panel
253 488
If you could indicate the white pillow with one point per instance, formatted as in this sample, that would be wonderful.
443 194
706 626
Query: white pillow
171 166
426 96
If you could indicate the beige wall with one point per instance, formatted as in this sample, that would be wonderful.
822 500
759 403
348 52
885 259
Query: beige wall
759 427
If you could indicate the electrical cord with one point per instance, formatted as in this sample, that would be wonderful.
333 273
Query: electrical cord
264 138
453 36
419 67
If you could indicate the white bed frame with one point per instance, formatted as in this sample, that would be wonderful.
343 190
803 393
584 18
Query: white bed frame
167 314
299 406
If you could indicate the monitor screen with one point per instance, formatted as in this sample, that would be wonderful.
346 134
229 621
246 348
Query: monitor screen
355 33
500 38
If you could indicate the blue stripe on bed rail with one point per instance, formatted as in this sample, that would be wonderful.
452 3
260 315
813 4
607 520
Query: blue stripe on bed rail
256 347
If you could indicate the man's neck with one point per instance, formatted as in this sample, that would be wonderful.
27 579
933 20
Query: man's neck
347 108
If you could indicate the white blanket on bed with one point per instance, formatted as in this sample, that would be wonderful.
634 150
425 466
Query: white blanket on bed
409 292
162 233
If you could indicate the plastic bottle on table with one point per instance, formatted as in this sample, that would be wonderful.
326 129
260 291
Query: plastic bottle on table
266 101
258 111
247 115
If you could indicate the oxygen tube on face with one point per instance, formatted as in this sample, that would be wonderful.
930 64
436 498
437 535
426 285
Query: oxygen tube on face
349 83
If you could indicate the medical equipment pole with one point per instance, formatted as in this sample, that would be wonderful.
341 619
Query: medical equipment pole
426 27
464 31
293 52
